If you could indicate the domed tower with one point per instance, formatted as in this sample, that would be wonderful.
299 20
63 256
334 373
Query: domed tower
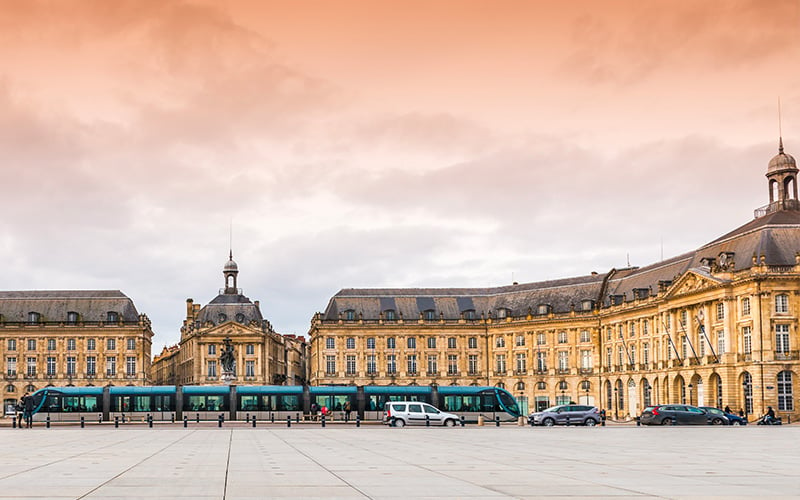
230 271
782 176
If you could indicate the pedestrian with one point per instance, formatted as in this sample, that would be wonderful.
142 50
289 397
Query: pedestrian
314 410
741 412
727 409
20 408
28 410
347 410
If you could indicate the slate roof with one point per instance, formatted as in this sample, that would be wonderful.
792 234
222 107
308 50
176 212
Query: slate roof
53 305
775 236
231 305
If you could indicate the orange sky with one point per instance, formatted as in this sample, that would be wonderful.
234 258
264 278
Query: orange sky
363 143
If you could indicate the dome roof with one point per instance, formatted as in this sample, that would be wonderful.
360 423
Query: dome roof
781 161
229 307
230 266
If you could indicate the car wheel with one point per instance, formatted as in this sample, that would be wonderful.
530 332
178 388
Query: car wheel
399 422
717 421
666 421
736 422
548 422
450 422
590 422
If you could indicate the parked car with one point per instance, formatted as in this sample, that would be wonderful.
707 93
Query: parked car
716 416
402 413
736 419
681 415
566 415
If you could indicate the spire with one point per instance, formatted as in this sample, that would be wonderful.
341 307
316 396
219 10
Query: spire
780 145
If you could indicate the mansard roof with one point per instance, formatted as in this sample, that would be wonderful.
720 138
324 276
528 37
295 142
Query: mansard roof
53 305
234 307
773 238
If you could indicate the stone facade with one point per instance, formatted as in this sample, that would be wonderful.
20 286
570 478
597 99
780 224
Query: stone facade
261 355
64 338
717 326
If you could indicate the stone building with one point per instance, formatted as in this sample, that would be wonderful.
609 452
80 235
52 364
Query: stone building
716 326
261 356
71 338
164 370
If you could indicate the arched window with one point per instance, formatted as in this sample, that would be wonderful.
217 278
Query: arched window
112 316
520 386
747 388
31 388
785 391
221 317
349 315
430 315
647 392
10 388
34 317
240 318
389 315
562 386
620 395
72 317
541 386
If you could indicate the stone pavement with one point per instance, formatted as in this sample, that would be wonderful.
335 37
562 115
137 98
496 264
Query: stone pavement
237 462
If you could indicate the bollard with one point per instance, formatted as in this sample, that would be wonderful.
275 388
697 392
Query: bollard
788 419
219 421
172 417
358 420
83 423
480 420
497 420
14 422
150 421
254 421
185 421
462 421
100 418
272 418
48 421
427 420
323 421
638 422
297 417
288 421
567 420
116 422
197 417
247 417
123 418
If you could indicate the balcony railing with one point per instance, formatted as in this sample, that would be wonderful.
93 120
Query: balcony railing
563 371
586 371
786 355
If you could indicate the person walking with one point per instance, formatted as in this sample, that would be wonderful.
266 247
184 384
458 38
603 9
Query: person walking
347 410
27 409
727 409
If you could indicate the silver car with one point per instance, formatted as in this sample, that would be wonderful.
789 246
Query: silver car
402 413
566 415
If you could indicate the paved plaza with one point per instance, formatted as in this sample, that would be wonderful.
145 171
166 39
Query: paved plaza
239 462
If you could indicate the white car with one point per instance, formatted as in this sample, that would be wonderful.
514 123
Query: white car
402 413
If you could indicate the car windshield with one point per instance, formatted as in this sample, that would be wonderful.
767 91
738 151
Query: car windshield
553 409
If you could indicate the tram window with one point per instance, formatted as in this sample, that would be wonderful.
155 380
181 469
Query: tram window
141 403
333 402
205 403
288 403
248 403
79 403
53 403
508 401
163 403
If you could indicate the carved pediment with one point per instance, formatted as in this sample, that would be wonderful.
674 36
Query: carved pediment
693 281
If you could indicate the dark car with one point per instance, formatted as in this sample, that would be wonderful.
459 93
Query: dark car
566 415
716 416
736 419
679 414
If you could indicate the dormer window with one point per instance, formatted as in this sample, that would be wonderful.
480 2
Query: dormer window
587 305
222 317
502 313
543 309
430 315
34 317
240 318
112 317
349 315
389 315
469 314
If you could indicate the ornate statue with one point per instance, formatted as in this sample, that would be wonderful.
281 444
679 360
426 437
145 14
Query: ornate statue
226 358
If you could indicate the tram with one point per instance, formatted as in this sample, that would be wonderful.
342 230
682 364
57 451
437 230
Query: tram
264 402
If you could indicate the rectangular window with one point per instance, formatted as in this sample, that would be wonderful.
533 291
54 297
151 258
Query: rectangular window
250 349
330 365
645 353
70 344
500 342
91 366
785 391
391 343
391 364
645 327
620 331
500 363
212 349
782 303
411 364
720 342
563 364
12 344
720 311
130 366
131 344
701 346
585 337
350 364
330 343
250 368
371 343
520 340
31 368
91 344
562 337
212 368
350 343
747 338
632 329
586 359
51 366
782 339
411 342
522 363
51 344
432 364
746 306
11 366
452 364
472 343
111 345
684 317
371 368
541 339
111 365
684 346
620 356
632 352
71 366
472 364
431 342
31 344
609 356
608 333
667 321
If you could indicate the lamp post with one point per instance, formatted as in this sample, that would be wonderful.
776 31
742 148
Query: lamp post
616 404
562 397
587 394
690 394
744 397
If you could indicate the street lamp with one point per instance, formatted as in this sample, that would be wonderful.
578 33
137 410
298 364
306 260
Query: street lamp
690 394
587 393
744 394
616 404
